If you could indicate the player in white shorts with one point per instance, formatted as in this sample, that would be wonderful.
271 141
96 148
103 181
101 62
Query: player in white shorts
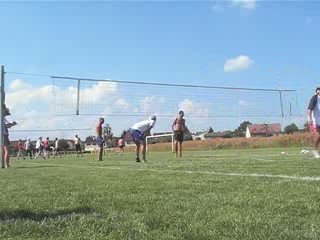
314 120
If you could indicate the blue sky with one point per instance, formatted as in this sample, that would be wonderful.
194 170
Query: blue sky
269 44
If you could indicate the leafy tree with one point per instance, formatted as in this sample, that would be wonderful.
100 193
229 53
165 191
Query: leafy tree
187 134
241 130
291 128
63 144
107 132
89 140
210 130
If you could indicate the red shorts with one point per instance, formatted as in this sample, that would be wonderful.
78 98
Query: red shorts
314 128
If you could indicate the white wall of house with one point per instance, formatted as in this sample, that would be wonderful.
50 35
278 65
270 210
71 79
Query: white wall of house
248 134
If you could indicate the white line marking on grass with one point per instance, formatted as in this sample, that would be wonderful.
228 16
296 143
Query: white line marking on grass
261 175
302 178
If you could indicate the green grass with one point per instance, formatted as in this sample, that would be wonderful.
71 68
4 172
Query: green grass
189 198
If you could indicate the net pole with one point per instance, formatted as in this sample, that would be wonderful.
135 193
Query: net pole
2 99
172 144
78 97
281 102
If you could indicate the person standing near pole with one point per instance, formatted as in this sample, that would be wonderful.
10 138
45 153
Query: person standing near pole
99 138
314 120
6 141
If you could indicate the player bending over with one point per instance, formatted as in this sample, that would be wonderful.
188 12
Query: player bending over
139 132
314 120
178 128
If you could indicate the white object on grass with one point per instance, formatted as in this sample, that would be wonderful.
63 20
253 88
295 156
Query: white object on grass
316 154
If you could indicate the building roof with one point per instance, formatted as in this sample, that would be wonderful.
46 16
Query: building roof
265 128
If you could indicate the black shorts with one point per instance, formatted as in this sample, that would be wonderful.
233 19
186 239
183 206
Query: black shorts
178 136
78 147
6 141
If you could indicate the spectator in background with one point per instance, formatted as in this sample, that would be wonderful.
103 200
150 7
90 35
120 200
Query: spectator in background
39 148
121 145
46 148
77 143
56 148
20 147
6 141
28 148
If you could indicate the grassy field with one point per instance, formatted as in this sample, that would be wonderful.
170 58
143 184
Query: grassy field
226 194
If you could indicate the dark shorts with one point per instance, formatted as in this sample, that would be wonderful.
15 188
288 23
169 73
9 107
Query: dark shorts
137 135
99 141
121 146
6 141
178 136
78 147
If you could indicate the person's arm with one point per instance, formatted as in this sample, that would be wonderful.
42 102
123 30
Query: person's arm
312 105
9 124
173 124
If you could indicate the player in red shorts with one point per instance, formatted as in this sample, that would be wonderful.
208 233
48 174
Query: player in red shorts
121 145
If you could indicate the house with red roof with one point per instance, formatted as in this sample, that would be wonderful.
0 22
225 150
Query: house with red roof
263 130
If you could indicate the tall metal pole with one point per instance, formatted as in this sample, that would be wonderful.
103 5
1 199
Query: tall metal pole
2 98
281 103
78 97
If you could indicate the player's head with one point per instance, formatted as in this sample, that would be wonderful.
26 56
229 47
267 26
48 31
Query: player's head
318 90
40 138
76 135
56 138
153 118
47 138
101 120
181 113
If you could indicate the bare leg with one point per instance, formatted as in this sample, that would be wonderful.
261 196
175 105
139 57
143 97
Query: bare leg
144 147
180 147
176 148
138 151
100 153
316 140
7 157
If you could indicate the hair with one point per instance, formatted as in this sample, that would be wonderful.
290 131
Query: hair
181 112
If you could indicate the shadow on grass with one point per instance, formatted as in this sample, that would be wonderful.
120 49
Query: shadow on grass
44 166
40 216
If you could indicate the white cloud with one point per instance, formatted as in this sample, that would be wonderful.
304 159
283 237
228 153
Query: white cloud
243 103
239 63
245 4
152 104
18 84
193 109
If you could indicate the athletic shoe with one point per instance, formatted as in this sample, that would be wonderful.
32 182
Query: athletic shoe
316 154
138 160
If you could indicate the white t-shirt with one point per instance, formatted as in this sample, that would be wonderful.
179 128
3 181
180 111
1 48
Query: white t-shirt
56 144
144 125
77 141
38 144
316 113
27 145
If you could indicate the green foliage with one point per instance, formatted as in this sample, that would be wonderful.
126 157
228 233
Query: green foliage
63 144
292 128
